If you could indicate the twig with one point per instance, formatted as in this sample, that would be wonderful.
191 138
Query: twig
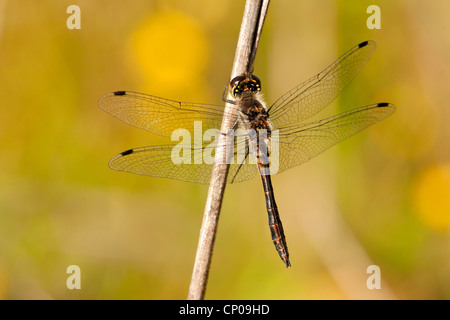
251 27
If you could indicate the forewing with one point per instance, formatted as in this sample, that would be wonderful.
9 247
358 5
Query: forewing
158 115
312 96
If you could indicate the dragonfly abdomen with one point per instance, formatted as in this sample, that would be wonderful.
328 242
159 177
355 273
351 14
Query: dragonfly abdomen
275 225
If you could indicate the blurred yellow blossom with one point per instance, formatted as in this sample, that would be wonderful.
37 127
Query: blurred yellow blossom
171 51
432 197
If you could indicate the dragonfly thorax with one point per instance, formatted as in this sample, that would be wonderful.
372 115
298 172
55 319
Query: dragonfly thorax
253 110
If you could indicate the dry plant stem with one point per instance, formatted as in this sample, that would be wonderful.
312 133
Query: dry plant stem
251 27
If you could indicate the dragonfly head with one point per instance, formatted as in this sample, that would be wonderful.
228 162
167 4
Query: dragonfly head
244 83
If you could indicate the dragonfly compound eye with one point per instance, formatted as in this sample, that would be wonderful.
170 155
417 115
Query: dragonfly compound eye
257 82
235 85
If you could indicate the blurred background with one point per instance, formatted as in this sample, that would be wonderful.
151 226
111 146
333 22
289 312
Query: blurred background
379 198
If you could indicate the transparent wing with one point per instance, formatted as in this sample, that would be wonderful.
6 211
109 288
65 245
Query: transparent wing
299 143
158 115
315 94
195 166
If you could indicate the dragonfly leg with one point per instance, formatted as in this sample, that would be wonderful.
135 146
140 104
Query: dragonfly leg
224 94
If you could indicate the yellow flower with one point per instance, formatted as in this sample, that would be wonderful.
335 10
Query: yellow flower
432 197
171 50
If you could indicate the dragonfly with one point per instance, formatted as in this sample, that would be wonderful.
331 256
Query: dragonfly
253 149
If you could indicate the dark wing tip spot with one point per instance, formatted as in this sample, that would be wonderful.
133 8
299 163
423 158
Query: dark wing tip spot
383 104
119 93
363 44
127 152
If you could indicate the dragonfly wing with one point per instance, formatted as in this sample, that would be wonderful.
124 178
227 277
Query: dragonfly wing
315 94
158 115
242 169
299 143
185 163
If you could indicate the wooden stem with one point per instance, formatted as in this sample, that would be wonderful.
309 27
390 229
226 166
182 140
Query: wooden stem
251 27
